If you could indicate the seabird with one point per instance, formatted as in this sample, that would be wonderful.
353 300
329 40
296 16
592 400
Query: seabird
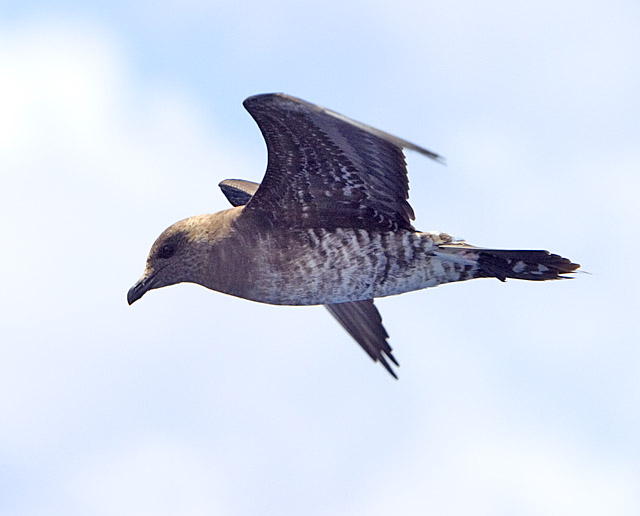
330 224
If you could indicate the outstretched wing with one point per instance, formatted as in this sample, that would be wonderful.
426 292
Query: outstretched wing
360 318
364 323
326 170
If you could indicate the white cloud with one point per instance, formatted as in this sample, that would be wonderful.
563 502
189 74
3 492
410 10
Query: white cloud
586 47
500 475
89 158
155 477
87 150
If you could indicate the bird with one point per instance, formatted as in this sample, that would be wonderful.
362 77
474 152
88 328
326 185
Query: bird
330 224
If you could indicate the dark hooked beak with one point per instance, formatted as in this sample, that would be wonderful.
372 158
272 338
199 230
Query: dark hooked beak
141 287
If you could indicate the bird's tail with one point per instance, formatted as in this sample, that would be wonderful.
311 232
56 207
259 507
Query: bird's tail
526 265
518 264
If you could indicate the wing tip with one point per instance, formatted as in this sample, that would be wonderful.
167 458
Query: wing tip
382 358
429 154
238 191
388 368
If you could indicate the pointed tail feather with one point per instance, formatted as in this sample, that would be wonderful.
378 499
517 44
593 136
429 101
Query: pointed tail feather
526 265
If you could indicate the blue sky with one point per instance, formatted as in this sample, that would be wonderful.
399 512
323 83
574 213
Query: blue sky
513 398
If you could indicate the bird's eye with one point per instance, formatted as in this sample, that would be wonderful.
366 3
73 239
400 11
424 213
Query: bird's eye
166 251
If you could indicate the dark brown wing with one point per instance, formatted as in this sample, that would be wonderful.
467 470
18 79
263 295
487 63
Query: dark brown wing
326 170
363 322
238 191
360 318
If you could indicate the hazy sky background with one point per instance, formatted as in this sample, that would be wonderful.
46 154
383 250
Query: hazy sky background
519 398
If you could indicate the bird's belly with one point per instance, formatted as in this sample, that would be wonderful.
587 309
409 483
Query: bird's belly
318 266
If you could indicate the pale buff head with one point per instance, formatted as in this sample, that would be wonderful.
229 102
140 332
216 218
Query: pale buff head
179 254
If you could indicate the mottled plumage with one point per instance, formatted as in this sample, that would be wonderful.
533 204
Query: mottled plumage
329 224
360 318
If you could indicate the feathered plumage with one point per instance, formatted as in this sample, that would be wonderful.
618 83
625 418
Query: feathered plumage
329 224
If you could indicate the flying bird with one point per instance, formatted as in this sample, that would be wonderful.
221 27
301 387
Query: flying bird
330 224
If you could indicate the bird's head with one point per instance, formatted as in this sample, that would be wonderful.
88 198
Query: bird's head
180 253
167 263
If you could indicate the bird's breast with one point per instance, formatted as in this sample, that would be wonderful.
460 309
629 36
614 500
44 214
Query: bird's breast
320 266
